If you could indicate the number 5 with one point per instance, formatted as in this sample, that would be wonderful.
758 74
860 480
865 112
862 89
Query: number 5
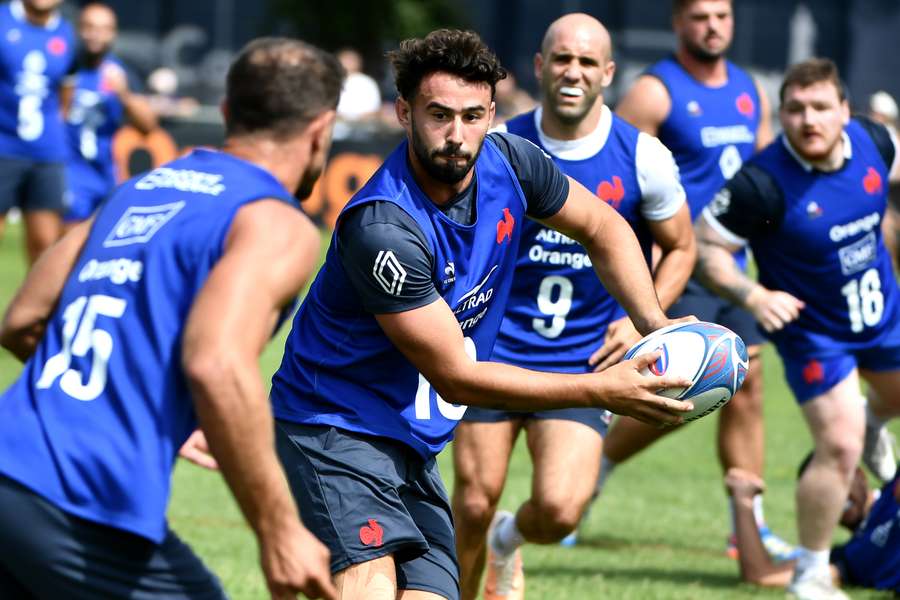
77 341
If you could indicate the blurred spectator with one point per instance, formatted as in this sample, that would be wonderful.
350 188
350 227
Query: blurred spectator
511 99
883 108
162 85
360 98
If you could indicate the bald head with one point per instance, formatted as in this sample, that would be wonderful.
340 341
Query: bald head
577 30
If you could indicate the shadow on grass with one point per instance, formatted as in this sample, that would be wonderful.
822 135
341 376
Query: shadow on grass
619 544
632 575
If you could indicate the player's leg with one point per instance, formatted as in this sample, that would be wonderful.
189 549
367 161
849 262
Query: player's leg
883 377
12 175
741 438
43 207
836 420
482 446
566 459
375 579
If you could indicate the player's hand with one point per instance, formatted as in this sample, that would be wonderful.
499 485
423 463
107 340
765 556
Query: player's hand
620 336
196 450
741 483
114 79
625 391
773 309
295 562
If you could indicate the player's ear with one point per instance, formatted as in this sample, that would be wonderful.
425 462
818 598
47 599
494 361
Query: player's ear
538 65
402 108
492 112
319 132
609 71
845 111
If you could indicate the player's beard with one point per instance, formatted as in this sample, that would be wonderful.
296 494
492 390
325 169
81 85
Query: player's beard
449 172
307 183
702 54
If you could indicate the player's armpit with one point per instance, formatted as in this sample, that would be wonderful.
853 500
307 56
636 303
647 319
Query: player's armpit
646 105
675 238
27 314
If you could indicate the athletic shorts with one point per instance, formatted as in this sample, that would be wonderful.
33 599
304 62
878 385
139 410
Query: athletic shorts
706 306
366 497
813 373
596 418
31 186
86 191
48 553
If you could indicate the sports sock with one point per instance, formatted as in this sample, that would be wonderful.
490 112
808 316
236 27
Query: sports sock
811 563
758 511
507 537
606 468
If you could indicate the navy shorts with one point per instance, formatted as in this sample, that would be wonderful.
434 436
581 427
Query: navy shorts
31 185
706 306
366 497
48 553
596 418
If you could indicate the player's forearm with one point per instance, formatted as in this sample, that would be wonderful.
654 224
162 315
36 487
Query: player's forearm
672 273
717 270
234 413
755 564
620 264
139 112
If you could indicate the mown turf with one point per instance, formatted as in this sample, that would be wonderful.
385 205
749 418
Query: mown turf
658 532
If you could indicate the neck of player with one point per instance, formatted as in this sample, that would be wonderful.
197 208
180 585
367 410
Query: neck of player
712 73
558 129
437 191
280 159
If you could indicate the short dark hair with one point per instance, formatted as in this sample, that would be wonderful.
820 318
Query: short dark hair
811 71
680 5
278 85
453 51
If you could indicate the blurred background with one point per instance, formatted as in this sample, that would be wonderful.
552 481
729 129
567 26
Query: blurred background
181 51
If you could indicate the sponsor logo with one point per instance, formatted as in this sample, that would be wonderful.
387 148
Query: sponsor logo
813 372
56 45
450 272
371 534
660 365
813 210
712 137
388 272
140 223
693 108
117 270
880 534
745 106
183 180
576 260
551 236
858 255
872 182
864 224
612 193
475 297
505 226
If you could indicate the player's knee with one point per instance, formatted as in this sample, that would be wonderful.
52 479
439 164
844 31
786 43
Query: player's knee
476 509
559 515
842 454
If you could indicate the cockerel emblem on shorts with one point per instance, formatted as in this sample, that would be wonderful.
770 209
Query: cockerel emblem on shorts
371 534
660 365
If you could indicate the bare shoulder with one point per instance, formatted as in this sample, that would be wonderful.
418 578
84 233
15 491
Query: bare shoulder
646 105
273 225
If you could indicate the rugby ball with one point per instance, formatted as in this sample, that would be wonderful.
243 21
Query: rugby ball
713 357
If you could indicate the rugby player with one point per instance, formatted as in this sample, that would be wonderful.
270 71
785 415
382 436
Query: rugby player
393 340
37 49
149 317
558 312
810 207
102 102
712 116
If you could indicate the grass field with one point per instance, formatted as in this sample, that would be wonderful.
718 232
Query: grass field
658 532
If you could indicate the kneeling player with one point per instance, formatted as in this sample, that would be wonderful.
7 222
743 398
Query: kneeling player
559 313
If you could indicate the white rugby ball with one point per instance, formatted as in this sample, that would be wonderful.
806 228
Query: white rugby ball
713 357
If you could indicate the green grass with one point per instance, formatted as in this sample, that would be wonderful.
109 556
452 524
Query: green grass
658 532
